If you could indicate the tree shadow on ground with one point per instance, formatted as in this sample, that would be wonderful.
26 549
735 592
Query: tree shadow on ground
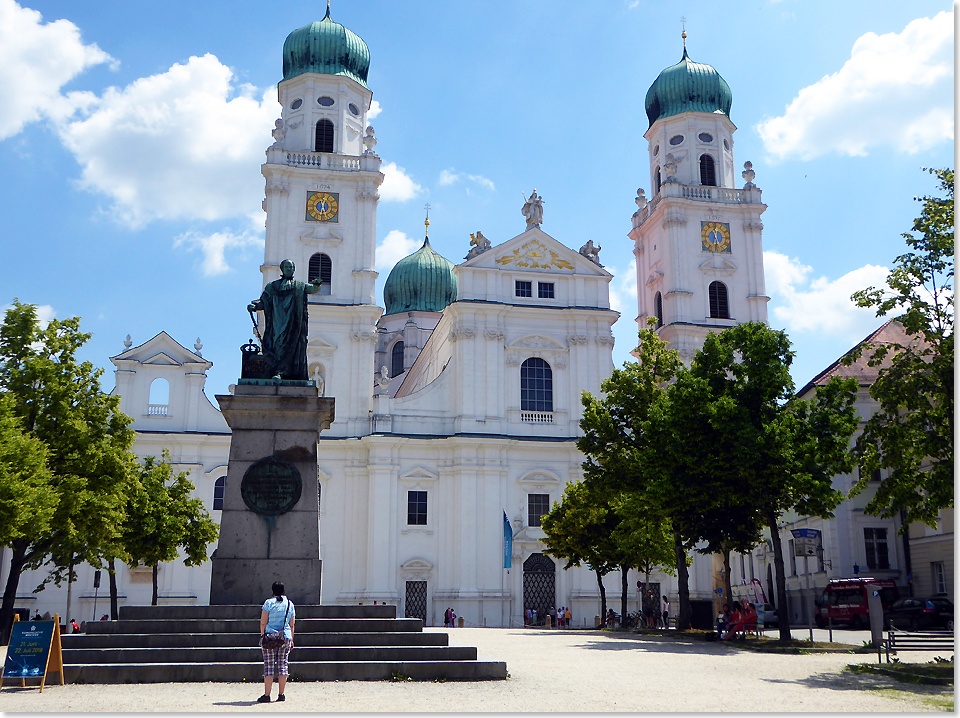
849 681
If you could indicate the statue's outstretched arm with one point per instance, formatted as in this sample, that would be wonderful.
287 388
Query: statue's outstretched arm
314 286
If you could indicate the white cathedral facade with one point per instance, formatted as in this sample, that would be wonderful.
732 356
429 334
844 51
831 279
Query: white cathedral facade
458 403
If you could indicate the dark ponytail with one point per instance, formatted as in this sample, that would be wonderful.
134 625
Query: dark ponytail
278 590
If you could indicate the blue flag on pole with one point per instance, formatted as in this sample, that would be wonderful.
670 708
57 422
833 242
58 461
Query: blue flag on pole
507 541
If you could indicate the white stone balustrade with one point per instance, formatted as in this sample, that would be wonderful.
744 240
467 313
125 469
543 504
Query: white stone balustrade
698 193
323 160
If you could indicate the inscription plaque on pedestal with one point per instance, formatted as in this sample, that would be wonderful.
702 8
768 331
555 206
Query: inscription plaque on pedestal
271 486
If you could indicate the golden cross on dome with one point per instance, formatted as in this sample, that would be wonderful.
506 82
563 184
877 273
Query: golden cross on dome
683 21
426 222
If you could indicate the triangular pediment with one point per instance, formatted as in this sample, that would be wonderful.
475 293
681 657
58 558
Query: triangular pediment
161 350
419 474
163 359
535 251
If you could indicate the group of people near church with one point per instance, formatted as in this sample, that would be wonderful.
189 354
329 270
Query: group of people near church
449 618
734 623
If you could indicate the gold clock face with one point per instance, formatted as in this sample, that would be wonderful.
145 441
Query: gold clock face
322 206
715 236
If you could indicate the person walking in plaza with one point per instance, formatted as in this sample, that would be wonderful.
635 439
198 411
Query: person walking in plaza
567 617
276 639
666 610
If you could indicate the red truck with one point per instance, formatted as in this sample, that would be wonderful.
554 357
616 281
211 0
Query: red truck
844 600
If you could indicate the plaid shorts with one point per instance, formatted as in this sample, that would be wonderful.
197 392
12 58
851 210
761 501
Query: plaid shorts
275 659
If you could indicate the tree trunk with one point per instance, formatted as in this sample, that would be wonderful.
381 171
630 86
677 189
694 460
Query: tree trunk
17 561
684 611
603 599
114 607
907 559
783 611
68 615
727 583
156 571
624 574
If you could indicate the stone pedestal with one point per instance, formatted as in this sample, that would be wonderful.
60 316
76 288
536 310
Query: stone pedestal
269 527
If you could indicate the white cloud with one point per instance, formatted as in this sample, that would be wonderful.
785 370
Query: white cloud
802 302
177 145
44 313
394 247
895 90
36 61
451 176
623 287
374 110
397 185
213 247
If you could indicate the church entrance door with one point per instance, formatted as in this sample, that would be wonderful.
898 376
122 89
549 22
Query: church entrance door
415 601
539 585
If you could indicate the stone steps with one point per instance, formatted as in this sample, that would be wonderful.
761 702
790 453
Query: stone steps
159 644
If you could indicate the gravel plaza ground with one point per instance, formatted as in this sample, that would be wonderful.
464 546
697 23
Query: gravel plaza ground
550 670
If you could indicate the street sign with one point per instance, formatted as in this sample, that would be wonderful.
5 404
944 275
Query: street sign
805 541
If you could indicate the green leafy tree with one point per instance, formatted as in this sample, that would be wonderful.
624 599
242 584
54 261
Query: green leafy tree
27 505
58 402
644 538
787 450
163 519
623 440
911 433
579 529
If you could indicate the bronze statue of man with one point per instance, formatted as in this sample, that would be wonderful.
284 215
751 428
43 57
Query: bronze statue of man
284 307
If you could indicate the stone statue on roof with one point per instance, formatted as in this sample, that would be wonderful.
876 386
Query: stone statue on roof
533 209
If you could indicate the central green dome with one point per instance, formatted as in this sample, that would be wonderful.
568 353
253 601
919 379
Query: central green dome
422 282
327 48
687 86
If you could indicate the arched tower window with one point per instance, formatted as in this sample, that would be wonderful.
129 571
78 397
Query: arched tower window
719 309
536 385
159 399
396 360
656 183
320 267
324 136
218 488
708 171
658 308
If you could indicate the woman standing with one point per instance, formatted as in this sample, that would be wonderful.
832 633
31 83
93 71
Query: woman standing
276 616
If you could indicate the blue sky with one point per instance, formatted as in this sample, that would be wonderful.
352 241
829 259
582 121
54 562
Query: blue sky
131 138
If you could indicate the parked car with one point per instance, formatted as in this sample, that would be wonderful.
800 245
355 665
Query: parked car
767 614
911 614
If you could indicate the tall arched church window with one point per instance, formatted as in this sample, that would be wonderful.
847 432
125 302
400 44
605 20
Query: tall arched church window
324 136
396 360
658 308
708 171
719 309
218 488
536 385
159 400
320 268
656 189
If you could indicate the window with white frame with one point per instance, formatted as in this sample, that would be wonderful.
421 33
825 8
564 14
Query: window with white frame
416 508
875 547
939 576
537 507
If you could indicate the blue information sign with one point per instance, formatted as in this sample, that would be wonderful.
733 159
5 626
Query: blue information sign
29 651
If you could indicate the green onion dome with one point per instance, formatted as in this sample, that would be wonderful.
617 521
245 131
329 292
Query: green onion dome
422 282
328 48
687 86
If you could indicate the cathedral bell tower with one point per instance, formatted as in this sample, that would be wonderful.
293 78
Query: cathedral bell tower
322 176
697 240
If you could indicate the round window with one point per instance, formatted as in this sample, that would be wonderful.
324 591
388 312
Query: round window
325 101
705 137
656 150
676 139
296 104
354 109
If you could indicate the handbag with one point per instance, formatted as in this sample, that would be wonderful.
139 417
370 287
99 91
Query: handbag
272 641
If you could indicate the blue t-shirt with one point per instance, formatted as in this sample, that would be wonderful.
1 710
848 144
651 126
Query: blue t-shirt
276 609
